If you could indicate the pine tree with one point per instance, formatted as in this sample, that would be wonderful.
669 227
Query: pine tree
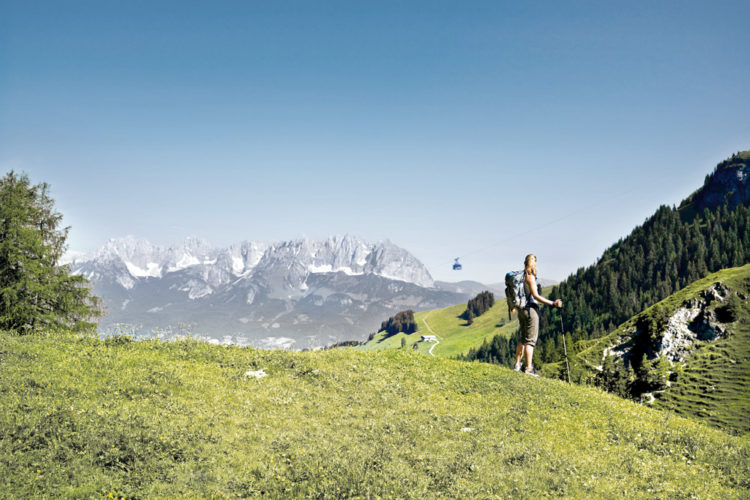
401 322
613 378
37 292
478 306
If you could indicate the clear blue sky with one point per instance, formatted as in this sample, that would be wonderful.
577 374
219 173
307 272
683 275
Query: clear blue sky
448 127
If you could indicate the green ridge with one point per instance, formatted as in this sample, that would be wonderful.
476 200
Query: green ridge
714 383
454 335
84 418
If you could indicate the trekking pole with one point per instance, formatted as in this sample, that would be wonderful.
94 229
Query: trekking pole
565 349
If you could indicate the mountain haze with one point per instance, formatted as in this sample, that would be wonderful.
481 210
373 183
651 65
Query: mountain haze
298 293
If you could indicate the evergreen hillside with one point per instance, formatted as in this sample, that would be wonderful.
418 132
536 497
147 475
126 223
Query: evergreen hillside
711 382
672 249
455 336
85 418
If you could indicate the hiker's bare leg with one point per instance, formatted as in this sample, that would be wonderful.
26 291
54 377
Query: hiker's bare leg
529 350
519 353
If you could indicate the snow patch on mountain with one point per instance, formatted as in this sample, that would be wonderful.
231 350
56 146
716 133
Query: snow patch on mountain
153 270
218 267
237 264
196 289
126 281
183 262
325 268
328 268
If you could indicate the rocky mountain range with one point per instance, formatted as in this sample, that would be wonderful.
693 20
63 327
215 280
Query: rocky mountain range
293 294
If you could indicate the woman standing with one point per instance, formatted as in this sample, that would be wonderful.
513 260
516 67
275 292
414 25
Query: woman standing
529 316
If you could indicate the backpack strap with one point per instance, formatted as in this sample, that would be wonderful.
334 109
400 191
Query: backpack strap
530 300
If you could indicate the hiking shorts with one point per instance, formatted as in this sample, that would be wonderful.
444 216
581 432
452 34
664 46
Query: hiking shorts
529 319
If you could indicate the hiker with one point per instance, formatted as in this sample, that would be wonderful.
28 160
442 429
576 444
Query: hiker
529 316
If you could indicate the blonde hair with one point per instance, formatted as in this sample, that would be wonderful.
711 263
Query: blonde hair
529 264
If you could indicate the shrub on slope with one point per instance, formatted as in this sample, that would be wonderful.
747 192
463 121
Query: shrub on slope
479 305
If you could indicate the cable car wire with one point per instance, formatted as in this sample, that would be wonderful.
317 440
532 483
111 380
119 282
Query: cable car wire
554 221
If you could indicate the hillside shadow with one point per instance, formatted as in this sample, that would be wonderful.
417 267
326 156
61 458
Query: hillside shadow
463 318
504 321
389 335
386 336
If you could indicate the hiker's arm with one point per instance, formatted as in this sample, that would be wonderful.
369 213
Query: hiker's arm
535 293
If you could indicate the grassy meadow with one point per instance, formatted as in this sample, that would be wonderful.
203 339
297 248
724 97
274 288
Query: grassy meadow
454 335
86 418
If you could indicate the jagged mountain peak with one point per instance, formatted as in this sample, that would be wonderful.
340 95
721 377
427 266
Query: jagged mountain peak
294 258
728 183
124 247
194 245
325 288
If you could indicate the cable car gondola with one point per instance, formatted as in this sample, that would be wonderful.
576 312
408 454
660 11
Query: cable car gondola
456 265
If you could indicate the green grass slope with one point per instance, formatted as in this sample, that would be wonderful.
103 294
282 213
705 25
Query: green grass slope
454 335
714 383
84 418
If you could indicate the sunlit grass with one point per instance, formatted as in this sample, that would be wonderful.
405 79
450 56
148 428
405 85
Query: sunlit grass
456 337
86 418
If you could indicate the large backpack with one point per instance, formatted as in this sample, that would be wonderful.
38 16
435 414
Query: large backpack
515 295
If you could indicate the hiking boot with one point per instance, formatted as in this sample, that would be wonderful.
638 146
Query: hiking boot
517 367
532 372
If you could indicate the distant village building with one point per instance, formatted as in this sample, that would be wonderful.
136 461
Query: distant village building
428 338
